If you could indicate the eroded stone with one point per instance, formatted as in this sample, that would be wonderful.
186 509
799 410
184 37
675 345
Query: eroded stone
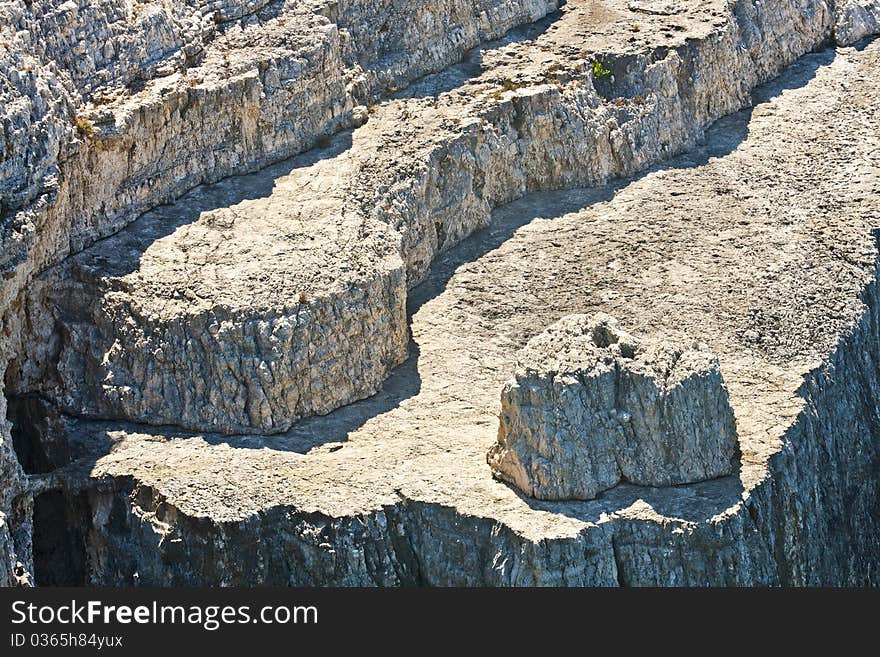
591 406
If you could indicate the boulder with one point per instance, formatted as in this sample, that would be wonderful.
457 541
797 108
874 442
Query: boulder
591 406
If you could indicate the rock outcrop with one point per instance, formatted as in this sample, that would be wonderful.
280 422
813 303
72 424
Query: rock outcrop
111 108
370 212
239 306
591 406
855 20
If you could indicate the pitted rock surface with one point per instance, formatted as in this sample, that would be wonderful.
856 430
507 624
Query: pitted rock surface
212 310
354 224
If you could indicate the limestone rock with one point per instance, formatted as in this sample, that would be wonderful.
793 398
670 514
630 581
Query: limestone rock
357 222
248 313
855 20
591 406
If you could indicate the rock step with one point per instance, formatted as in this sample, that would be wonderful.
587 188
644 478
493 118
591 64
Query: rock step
112 108
591 406
242 307
761 244
526 113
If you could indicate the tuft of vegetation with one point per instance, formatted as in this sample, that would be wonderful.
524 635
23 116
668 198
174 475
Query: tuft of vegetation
600 70
101 99
508 85
303 297
84 126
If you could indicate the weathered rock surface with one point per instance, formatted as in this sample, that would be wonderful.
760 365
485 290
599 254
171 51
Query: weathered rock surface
233 312
855 20
395 489
761 244
110 108
520 115
591 406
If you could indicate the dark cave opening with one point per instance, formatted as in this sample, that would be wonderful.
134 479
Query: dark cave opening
40 443
38 437
59 540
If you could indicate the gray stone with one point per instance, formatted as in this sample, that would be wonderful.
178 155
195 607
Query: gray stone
855 20
591 406
732 244
758 245
355 223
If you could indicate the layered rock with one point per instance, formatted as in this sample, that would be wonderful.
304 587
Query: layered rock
764 251
109 108
384 491
855 20
591 406
425 171
132 104
233 312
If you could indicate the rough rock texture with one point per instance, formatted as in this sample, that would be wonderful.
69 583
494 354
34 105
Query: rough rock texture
591 406
855 20
395 489
761 244
108 108
124 105
233 312
426 170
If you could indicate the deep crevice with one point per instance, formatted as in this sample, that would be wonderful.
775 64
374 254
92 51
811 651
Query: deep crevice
59 539
38 437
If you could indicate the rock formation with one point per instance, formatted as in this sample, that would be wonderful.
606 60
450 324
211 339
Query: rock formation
188 317
591 406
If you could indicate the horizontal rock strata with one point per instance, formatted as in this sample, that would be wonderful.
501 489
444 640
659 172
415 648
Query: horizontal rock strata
425 171
111 109
761 244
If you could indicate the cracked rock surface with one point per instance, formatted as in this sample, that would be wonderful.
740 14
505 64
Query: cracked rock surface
221 340
760 244
236 307
591 406
109 108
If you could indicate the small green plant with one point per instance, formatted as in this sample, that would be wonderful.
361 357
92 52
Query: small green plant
600 70
84 126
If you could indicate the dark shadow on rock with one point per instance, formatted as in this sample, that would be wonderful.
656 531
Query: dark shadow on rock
120 254
696 502
864 43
